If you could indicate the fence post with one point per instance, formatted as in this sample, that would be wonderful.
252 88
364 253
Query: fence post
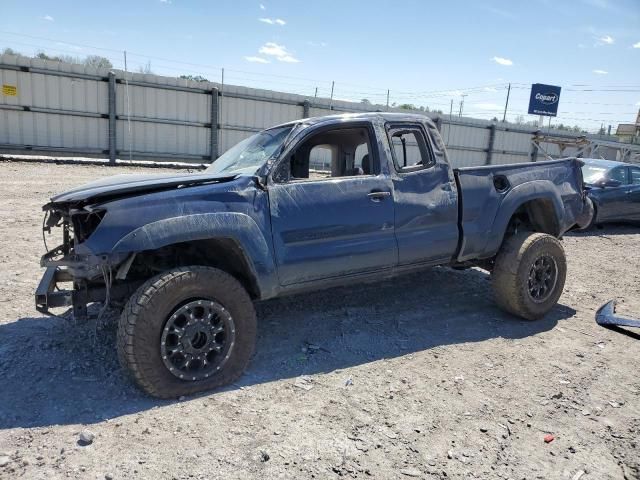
215 115
306 109
111 134
492 139
533 156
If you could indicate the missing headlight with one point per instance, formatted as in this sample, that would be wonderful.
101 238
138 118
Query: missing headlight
85 223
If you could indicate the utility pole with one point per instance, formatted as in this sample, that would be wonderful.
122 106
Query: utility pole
126 90
387 99
450 121
462 104
506 104
333 84
315 95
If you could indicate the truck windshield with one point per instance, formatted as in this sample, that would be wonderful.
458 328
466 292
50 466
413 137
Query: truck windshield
250 154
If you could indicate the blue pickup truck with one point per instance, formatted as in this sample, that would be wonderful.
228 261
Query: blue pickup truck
309 204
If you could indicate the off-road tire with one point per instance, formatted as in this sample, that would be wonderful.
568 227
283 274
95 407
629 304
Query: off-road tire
511 274
142 321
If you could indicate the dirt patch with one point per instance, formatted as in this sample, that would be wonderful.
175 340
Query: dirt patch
420 376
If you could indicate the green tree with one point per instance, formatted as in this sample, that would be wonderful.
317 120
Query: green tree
57 58
194 78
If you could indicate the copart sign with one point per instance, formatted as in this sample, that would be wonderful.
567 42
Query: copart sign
544 100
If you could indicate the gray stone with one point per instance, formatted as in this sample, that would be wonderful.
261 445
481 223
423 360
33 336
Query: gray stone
411 472
86 437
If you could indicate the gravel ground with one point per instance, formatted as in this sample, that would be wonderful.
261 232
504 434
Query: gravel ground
421 376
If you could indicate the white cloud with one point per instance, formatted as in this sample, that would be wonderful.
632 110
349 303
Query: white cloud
166 2
317 44
272 21
502 61
256 60
281 53
600 72
490 89
273 49
636 45
288 59
605 40
48 18
262 7
637 104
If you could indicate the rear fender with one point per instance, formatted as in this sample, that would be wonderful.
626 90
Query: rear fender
518 196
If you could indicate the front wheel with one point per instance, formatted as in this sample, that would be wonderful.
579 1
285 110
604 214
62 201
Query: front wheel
187 330
529 274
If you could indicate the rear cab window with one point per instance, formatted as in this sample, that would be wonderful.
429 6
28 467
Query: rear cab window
409 147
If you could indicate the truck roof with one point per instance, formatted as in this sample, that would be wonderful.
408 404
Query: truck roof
387 116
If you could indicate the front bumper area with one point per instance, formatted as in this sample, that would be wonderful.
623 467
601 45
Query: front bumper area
49 294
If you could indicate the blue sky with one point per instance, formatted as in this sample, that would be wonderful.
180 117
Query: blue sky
425 52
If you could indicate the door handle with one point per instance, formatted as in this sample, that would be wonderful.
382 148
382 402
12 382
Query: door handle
378 195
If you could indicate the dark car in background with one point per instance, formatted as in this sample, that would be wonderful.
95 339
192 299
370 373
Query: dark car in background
614 189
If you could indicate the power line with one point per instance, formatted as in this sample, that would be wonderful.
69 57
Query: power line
305 86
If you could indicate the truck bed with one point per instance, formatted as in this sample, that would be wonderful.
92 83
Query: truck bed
489 195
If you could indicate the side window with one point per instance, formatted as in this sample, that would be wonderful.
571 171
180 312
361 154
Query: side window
339 152
635 175
409 149
620 174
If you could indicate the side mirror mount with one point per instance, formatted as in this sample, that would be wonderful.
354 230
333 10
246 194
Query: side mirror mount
609 183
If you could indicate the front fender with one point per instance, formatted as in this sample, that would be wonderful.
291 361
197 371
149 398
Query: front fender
233 225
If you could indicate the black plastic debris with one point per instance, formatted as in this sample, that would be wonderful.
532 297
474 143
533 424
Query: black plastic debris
606 316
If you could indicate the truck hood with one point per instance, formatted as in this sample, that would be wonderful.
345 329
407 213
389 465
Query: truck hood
119 186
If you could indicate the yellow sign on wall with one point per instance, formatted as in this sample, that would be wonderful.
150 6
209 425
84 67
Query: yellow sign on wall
10 90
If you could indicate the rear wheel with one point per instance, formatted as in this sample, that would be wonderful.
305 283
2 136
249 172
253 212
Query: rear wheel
529 274
187 330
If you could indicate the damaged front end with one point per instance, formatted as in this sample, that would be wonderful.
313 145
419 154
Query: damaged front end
88 277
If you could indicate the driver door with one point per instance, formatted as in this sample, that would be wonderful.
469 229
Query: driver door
332 213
